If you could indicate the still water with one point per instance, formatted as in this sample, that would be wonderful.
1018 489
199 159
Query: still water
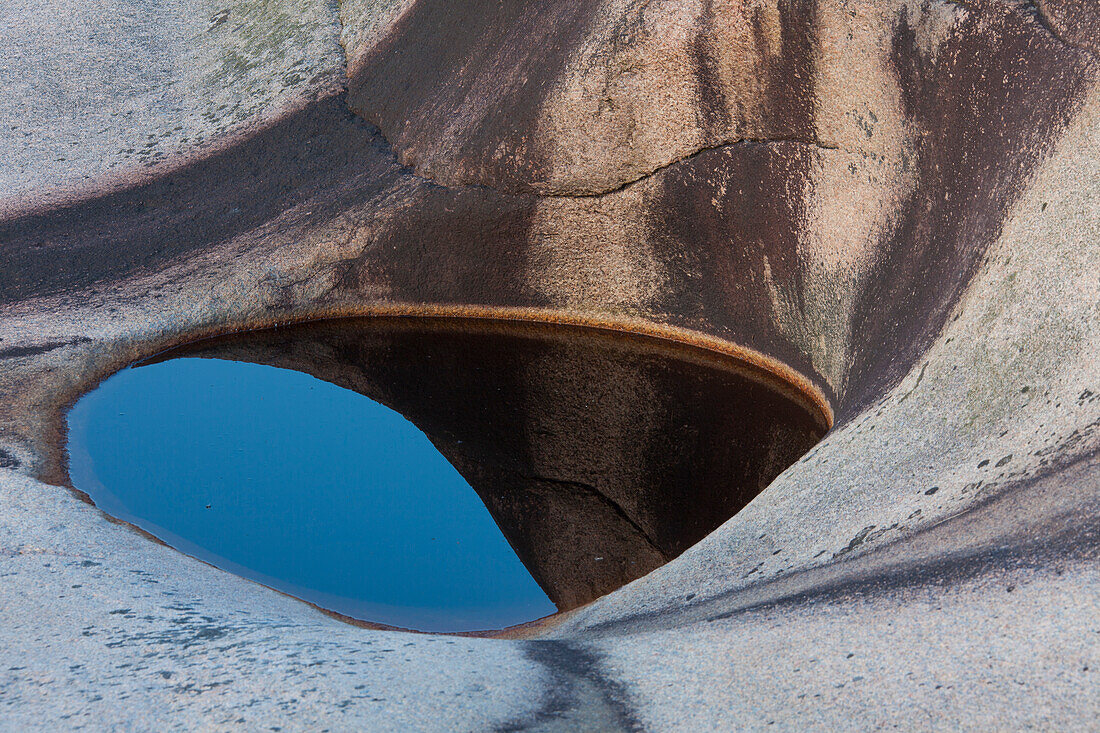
433 474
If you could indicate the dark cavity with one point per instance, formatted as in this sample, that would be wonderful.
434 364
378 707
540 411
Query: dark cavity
435 474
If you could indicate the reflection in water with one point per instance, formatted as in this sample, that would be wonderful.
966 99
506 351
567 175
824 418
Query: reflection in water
597 456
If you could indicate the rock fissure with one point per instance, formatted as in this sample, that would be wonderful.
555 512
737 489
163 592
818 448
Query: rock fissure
614 506
820 145
432 181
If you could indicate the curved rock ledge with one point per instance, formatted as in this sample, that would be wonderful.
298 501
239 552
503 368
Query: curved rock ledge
898 201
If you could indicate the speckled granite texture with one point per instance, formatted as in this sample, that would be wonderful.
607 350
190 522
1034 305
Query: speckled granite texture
898 200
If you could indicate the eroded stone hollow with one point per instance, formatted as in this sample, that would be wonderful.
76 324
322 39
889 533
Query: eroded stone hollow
601 456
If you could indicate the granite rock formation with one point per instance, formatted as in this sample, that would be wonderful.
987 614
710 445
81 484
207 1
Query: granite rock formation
894 203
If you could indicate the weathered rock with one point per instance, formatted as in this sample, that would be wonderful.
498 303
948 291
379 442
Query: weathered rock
581 98
897 201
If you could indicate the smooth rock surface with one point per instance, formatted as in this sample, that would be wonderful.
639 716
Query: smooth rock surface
903 207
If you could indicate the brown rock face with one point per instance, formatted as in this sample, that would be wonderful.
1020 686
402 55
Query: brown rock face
600 456
578 98
866 159
458 87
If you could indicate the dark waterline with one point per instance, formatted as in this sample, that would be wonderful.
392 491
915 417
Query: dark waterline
434 475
